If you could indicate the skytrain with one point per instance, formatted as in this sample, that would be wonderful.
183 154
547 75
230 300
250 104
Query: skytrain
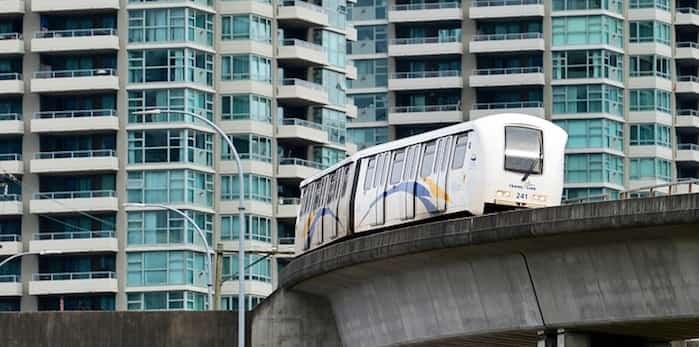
499 162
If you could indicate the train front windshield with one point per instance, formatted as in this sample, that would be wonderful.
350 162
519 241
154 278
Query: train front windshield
524 150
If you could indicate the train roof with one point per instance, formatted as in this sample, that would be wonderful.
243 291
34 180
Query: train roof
426 136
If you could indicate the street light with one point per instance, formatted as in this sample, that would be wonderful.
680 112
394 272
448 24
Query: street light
191 221
241 214
42 252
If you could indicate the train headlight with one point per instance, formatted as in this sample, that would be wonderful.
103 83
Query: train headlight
503 193
541 198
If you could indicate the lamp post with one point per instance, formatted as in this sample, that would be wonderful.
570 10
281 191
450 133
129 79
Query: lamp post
241 214
209 251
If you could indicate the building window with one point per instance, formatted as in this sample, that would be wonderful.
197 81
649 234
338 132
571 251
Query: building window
588 64
576 5
649 65
189 100
260 271
256 187
649 31
334 83
171 65
246 67
594 98
333 122
590 194
650 100
588 30
593 133
659 4
257 228
166 227
650 169
334 44
100 302
596 168
159 301
171 186
166 268
170 146
370 107
650 134
246 106
327 156
171 25
230 303
249 147
371 39
367 137
246 27
371 73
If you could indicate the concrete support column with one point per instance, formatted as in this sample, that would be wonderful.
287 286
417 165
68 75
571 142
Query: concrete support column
562 338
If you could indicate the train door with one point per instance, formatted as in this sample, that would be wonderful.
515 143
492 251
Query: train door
458 176
427 181
411 160
382 166
318 204
441 168
364 210
396 210
329 204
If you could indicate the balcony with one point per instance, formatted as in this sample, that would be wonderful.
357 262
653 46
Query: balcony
649 80
76 120
73 5
425 46
74 201
9 245
301 53
12 6
75 40
687 152
534 108
288 208
73 283
298 169
10 205
490 9
74 81
404 115
351 71
11 123
420 80
301 92
687 119
75 161
687 16
11 83
301 131
494 43
11 163
75 241
687 84
10 285
11 43
687 50
426 12
235 6
296 13
514 76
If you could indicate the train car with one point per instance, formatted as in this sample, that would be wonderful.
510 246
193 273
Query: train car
498 162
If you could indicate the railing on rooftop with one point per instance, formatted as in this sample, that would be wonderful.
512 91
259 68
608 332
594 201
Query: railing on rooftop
681 186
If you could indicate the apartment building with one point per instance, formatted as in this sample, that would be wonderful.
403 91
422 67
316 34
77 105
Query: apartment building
619 76
75 147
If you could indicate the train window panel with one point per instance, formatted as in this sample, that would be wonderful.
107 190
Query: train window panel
523 149
369 178
397 169
343 182
428 159
379 171
332 184
409 172
459 152
447 152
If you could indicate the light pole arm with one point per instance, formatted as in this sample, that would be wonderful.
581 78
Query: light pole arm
15 256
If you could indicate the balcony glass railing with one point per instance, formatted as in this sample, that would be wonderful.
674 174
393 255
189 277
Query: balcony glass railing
426 108
75 33
368 47
427 6
10 156
208 3
96 153
302 122
490 3
71 235
10 76
508 71
10 36
75 114
302 162
687 113
512 36
663 5
688 146
687 44
74 73
10 197
687 78
426 74
302 43
9 278
303 4
9 238
10 116
289 201
503 105
302 83
68 276
425 40
687 10
358 13
78 194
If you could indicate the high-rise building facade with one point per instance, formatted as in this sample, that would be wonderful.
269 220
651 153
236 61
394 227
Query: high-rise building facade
619 75
76 147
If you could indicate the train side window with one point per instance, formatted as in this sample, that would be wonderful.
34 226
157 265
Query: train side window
345 179
379 171
409 159
332 184
459 152
340 191
370 169
440 155
397 169
428 159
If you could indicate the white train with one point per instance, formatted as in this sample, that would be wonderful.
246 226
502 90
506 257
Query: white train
498 162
